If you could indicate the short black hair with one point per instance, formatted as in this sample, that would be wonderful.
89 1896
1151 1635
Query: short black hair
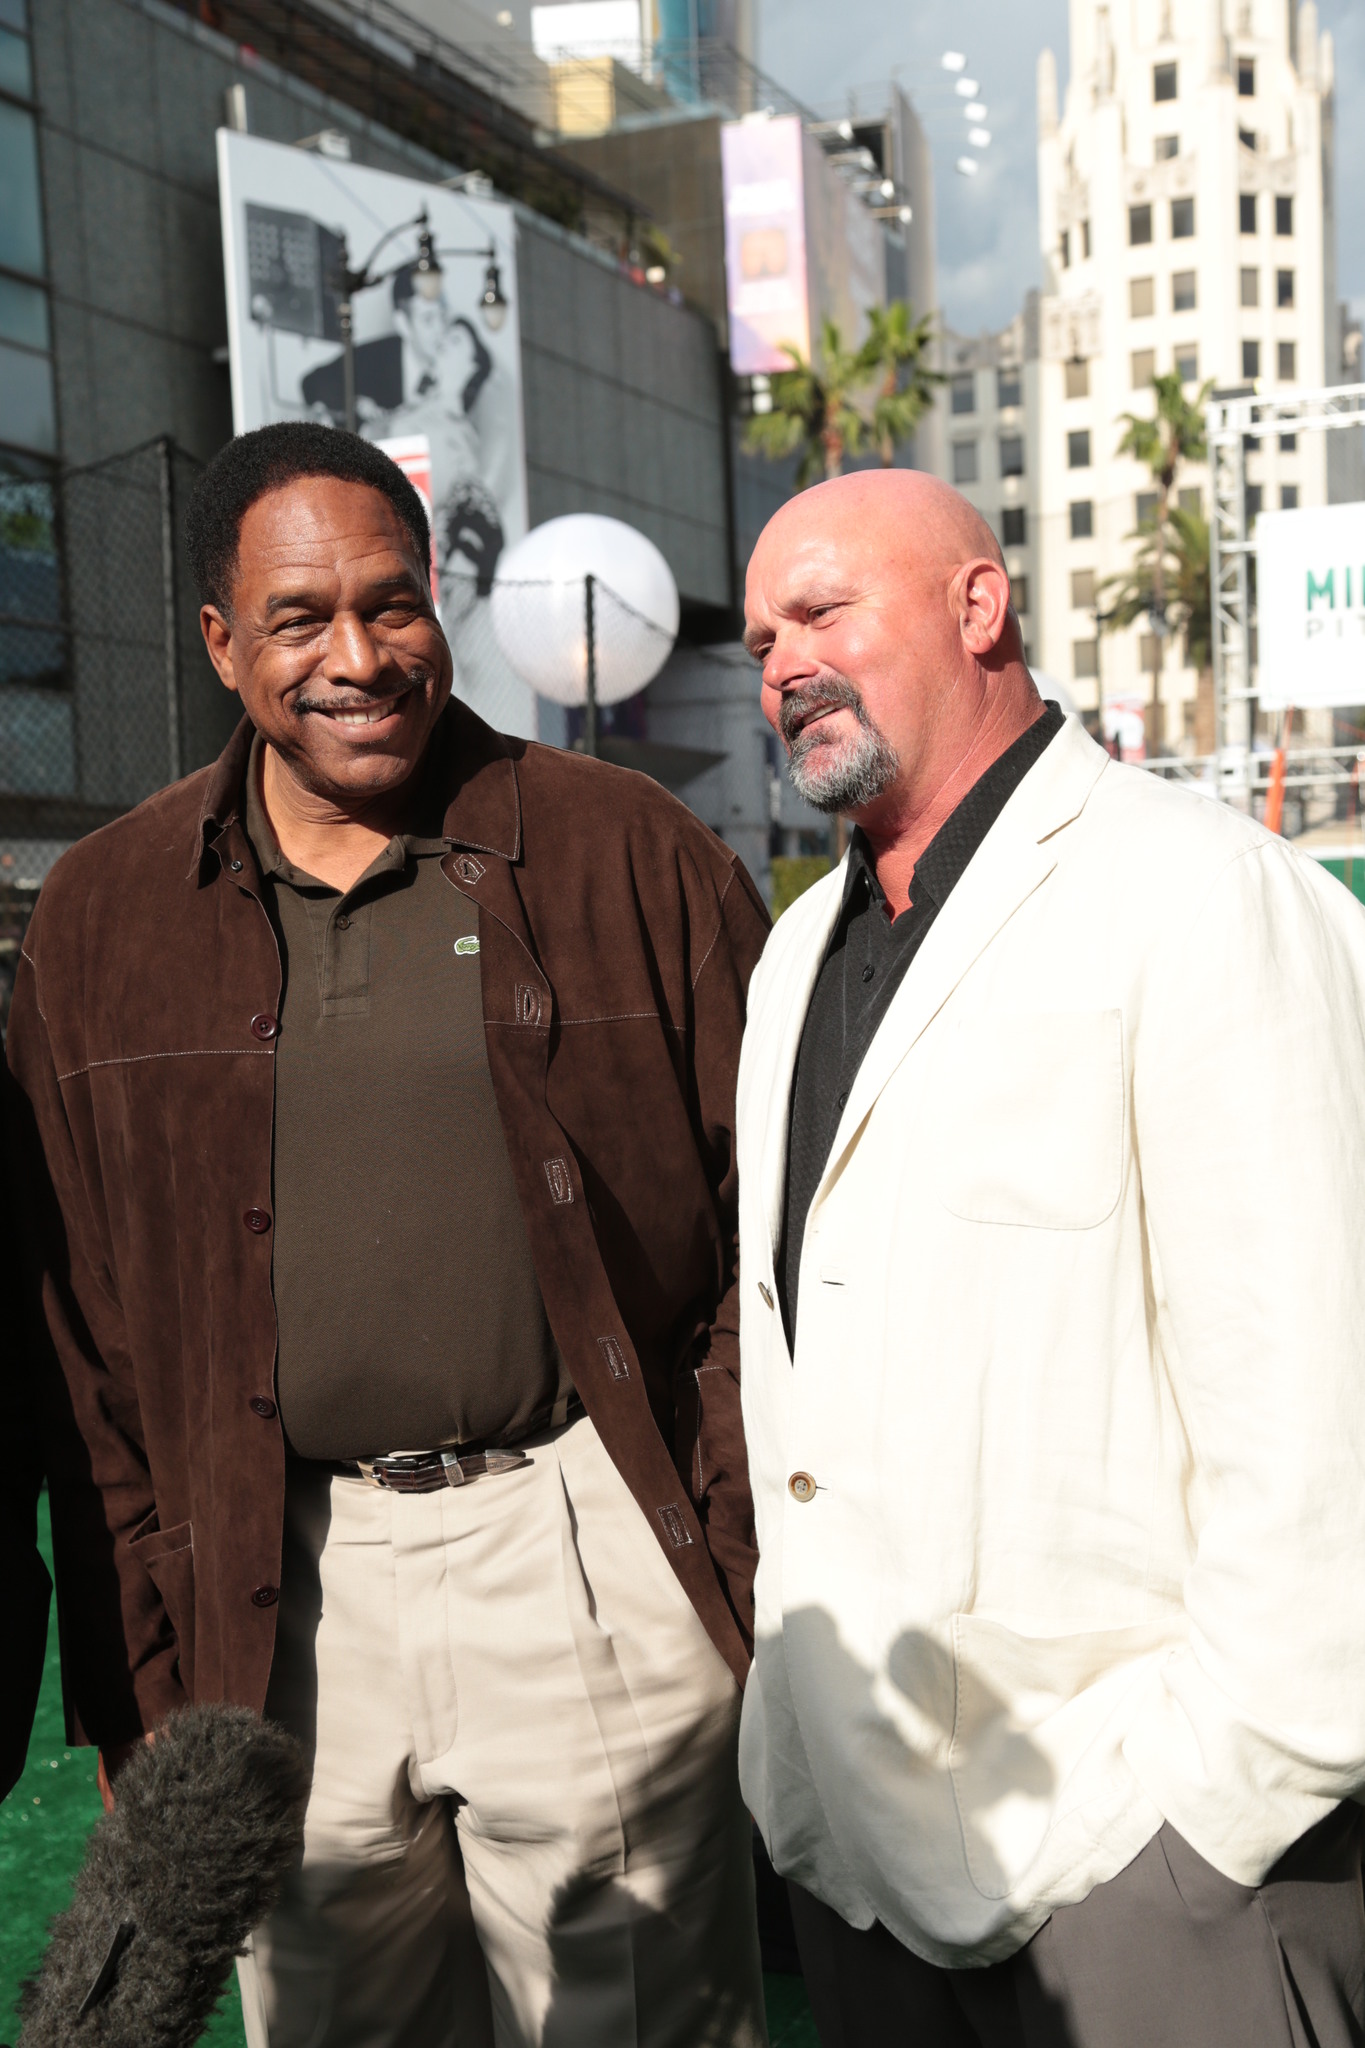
265 460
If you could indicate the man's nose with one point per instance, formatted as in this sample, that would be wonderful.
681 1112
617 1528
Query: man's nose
352 656
788 661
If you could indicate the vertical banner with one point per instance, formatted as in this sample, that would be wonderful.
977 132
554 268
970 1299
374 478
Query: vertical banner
765 243
433 362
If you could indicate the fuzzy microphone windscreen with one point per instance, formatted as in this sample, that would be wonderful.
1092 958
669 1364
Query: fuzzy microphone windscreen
206 1822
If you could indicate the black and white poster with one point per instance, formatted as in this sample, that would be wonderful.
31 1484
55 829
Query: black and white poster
434 354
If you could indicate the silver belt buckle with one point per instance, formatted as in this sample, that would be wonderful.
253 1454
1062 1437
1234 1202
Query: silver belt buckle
493 1463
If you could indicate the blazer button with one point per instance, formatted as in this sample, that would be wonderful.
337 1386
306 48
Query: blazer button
265 1596
262 1405
801 1487
264 1026
257 1220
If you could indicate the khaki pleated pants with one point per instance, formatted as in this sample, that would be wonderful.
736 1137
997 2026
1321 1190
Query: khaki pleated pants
525 1824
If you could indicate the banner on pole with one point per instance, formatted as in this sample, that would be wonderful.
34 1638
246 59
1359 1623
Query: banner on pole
1310 584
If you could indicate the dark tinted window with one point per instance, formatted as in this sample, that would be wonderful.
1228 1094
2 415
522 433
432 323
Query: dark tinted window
1246 77
1246 212
1078 448
963 389
1014 526
1139 224
1182 219
1011 455
1009 386
1082 519
1163 82
1284 214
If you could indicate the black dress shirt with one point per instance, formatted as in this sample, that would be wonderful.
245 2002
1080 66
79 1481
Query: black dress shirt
864 965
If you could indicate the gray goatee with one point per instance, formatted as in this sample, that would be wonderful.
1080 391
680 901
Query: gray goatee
835 774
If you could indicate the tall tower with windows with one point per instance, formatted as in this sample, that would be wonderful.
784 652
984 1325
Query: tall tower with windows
1185 216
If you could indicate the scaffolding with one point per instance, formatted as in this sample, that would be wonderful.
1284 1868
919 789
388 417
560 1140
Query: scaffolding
1237 422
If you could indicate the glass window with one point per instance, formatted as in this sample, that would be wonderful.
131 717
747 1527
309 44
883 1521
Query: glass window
32 649
1191 499
1288 443
1082 518
16 73
1251 358
1082 590
963 388
1251 287
1078 380
1014 526
1009 386
1246 212
1078 448
37 748
13 16
1144 367
1289 497
1167 146
1255 498
28 416
1182 219
21 228
1246 78
1064 249
1085 240
1011 455
1139 224
1163 81
1144 505
1085 659
23 313
1141 297
1284 287
1184 292
1284 214
964 462
1019 594
1187 363
1285 369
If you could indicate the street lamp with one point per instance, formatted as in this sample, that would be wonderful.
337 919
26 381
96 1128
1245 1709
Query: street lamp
427 274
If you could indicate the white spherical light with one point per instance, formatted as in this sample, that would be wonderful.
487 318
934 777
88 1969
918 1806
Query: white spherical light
539 607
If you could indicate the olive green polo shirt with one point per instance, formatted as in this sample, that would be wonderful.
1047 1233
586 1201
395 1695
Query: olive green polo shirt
409 1311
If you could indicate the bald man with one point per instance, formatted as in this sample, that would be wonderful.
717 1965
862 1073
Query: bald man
1052 1158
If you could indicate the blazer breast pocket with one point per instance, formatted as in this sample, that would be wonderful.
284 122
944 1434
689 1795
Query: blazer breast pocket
1032 1107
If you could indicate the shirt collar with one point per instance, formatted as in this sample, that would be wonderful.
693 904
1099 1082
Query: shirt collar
944 860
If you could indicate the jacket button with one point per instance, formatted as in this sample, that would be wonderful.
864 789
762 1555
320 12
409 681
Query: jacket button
257 1220
264 1026
262 1405
236 866
265 1596
801 1487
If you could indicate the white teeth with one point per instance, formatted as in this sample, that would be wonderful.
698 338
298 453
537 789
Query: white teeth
362 717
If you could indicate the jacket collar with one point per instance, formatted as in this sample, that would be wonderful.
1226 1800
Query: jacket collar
476 765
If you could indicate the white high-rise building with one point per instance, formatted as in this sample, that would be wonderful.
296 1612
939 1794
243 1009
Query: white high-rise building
1185 195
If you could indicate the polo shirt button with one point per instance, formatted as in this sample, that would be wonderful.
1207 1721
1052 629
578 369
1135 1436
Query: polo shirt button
265 1026
265 1596
343 923
801 1487
868 972
257 1220
262 1405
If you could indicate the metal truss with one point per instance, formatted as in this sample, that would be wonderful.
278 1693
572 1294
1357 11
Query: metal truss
1236 421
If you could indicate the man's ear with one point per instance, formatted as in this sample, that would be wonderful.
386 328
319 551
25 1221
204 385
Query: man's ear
981 591
218 640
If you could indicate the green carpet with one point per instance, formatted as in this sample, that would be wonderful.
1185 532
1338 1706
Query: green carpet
43 1826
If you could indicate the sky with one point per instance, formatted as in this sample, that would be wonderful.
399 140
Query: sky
987 226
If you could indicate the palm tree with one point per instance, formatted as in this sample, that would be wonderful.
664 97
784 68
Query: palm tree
1171 568
895 348
831 408
814 410
1174 434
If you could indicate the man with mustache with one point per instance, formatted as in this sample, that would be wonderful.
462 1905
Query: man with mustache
384 1077
1052 1154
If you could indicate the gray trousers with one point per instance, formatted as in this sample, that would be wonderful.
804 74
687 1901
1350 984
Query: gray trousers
1168 1954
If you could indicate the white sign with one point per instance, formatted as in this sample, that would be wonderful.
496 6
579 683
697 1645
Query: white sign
1310 584
428 366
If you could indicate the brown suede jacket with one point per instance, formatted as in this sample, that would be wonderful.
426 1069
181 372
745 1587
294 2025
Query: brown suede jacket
617 936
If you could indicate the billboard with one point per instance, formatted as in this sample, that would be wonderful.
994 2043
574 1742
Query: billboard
765 242
1310 583
430 363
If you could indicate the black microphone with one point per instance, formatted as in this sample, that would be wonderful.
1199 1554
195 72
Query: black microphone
206 1822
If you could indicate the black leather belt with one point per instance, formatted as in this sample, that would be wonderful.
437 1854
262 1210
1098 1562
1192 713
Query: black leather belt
425 1471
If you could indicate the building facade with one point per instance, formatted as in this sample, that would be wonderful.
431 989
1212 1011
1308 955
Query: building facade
1185 213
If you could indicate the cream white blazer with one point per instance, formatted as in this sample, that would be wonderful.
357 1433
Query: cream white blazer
1079 1374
